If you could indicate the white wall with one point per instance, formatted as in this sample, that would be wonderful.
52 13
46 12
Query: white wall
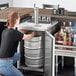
7 1
68 4
27 3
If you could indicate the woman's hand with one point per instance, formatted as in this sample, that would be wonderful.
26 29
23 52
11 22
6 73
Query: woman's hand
34 33
29 36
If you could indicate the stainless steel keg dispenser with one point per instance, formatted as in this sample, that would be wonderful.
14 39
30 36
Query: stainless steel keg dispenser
47 44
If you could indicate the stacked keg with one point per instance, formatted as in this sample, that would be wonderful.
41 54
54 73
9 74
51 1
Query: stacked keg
33 52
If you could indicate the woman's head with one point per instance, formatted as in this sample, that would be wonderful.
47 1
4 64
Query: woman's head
13 19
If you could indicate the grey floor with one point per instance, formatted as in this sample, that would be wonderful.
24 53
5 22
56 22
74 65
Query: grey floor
67 71
32 74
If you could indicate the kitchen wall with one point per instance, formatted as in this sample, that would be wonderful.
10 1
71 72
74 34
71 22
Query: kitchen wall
27 3
7 1
68 4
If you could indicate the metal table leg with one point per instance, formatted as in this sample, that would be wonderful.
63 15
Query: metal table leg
56 65
75 66
62 62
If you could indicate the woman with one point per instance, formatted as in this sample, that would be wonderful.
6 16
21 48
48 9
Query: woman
9 42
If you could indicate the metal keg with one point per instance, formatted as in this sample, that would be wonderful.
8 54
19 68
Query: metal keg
33 52
33 62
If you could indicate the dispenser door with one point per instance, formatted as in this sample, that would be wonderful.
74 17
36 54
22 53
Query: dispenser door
49 55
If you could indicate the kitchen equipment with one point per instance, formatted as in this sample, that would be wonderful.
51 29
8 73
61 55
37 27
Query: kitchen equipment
36 53
33 52
33 62
34 43
45 62
55 11
61 11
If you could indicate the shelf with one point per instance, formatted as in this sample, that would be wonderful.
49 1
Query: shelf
65 50
65 46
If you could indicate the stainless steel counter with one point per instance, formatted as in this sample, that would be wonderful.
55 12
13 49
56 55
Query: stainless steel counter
36 27
65 51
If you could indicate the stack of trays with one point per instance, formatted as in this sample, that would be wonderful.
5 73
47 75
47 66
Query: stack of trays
33 52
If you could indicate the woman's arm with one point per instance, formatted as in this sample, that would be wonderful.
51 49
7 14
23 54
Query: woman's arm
29 36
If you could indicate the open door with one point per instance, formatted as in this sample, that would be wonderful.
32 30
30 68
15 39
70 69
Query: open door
49 55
